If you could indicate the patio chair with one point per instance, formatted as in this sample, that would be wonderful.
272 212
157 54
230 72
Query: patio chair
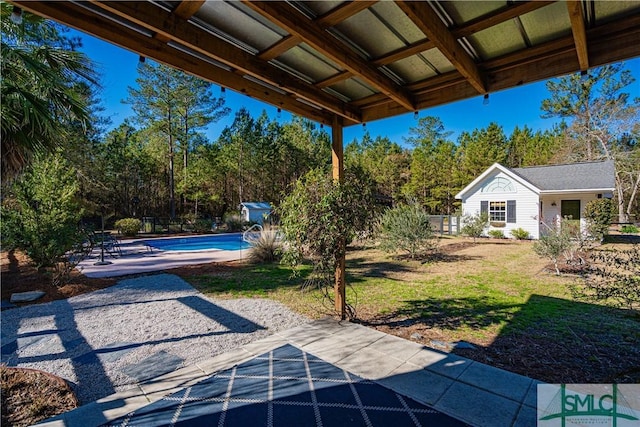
110 242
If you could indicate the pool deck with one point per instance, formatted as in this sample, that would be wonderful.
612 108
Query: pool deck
136 258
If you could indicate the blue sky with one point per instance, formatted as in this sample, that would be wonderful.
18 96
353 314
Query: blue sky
509 108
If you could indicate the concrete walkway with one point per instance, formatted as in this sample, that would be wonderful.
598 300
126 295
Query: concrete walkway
472 392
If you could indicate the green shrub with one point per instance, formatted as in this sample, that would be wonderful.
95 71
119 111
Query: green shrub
233 222
496 234
40 217
407 228
128 226
320 216
613 277
629 229
520 233
201 226
474 225
174 227
598 215
553 244
266 246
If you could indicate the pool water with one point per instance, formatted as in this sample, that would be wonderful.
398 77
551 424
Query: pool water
227 242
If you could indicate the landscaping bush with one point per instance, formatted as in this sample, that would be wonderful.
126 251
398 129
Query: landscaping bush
128 226
496 234
41 215
233 222
474 225
554 244
407 228
598 215
613 277
629 229
520 233
266 245
201 225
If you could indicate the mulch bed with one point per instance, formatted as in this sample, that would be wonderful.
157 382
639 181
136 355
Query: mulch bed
30 396
19 274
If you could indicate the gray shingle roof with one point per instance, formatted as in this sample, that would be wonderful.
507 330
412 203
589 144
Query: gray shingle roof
576 176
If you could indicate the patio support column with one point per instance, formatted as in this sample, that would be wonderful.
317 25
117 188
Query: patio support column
337 162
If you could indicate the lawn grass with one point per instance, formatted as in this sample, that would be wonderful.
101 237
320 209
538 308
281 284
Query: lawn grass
496 294
468 295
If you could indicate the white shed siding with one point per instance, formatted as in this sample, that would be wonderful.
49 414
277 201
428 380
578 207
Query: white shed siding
527 203
255 211
255 215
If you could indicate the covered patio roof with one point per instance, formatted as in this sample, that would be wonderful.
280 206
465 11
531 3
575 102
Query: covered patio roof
350 62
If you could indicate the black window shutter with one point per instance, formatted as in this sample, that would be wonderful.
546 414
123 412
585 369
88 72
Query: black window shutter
484 207
511 211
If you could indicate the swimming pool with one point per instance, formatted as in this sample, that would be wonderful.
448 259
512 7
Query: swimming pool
227 242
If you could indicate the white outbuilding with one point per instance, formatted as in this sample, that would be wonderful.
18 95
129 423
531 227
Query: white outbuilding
533 198
255 212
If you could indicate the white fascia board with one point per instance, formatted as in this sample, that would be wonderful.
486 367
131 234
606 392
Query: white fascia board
581 190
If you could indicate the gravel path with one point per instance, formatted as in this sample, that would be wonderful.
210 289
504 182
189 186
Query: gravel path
106 341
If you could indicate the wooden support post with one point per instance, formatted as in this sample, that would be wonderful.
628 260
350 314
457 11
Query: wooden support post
337 162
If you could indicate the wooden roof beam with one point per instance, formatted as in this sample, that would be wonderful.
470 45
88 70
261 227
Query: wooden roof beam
510 11
336 78
168 25
389 58
579 32
329 19
84 20
404 52
280 47
187 8
609 43
314 35
343 12
482 23
428 21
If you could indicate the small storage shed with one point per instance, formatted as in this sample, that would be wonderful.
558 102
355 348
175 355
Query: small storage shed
255 211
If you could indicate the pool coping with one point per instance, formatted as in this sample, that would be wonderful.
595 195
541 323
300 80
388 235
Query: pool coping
137 258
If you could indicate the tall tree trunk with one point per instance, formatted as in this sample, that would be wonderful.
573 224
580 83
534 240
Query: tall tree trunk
634 194
622 216
172 195
185 160
240 181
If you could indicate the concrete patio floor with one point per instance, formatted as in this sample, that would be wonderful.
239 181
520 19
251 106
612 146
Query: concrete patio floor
474 393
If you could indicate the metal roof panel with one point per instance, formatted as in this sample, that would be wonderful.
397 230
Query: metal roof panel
547 23
234 19
497 40
309 62
370 33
